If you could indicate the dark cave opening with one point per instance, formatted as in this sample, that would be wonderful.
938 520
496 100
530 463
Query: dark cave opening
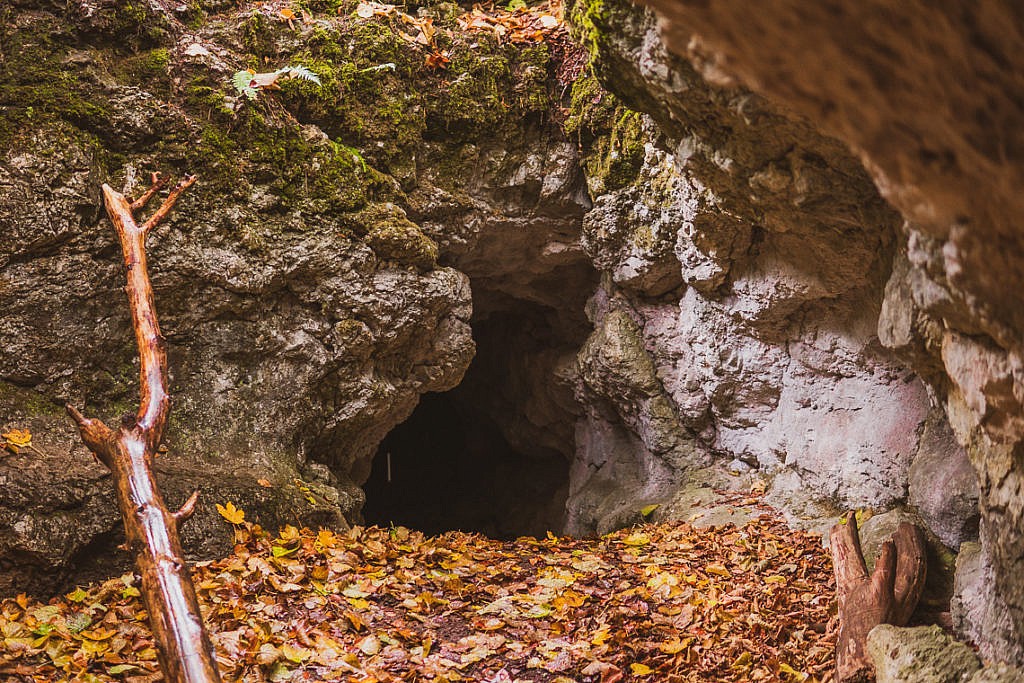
443 469
491 455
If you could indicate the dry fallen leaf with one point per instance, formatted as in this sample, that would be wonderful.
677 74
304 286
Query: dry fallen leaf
231 513
658 602
16 439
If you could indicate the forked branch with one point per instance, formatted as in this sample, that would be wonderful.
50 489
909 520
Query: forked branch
168 204
157 183
186 654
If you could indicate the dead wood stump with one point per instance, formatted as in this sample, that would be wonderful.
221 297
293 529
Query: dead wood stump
886 596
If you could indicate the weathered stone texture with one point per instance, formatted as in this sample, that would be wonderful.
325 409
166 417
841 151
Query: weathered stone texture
929 96
943 486
924 654
751 253
297 283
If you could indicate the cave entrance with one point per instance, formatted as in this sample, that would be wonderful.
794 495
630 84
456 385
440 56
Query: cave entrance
444 469
492 455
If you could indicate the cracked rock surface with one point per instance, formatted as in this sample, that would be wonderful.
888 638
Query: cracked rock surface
929 97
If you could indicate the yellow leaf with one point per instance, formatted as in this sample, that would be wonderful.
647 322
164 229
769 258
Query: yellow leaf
637 539
539 611
122 668
640 669
265 483
647 510
287 13
18 437
231 513
295 654
568 599
99 634
676 646
775 578
93 647
743 661
717 570
791 672
281 551
325 538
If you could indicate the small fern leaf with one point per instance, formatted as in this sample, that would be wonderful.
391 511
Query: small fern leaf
302 73
379 67
241 81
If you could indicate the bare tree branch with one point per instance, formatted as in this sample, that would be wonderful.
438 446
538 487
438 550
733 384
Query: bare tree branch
168 204
186 654
155 186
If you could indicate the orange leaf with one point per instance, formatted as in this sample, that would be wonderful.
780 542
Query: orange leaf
325 538
437 60
231 513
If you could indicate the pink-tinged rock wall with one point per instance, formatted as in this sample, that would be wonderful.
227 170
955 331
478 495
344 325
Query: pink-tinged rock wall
930 96
745 261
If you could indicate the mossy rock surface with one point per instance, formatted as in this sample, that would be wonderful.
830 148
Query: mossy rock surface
303 303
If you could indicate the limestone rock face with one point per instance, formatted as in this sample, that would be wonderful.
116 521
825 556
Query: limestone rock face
943 487
745 264
930 98
978 612
923 655
998 673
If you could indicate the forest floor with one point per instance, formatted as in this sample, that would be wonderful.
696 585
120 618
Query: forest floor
656 602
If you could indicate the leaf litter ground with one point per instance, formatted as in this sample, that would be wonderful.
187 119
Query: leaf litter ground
657 602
